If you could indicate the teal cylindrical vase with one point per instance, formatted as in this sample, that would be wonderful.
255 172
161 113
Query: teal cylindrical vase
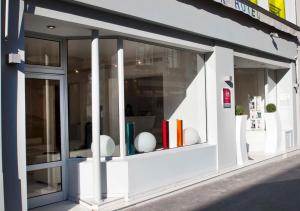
130 138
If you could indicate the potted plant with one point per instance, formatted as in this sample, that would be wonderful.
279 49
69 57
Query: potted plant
241 144
273 129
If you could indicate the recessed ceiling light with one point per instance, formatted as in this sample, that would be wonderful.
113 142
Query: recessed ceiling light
76 71
51 27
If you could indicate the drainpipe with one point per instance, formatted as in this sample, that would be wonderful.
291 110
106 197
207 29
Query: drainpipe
96 115
1 171
297 7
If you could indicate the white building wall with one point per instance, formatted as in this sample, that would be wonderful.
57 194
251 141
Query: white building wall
298 13
14 180
231 30
290 11
285 98
271 87
221 121
144 173
264 4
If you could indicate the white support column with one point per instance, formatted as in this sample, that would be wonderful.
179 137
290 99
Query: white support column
220 120
96 115
121 98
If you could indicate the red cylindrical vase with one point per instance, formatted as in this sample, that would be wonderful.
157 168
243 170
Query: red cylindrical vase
165 134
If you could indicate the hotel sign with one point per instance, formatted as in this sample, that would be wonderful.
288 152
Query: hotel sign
242 7
226 98
246 8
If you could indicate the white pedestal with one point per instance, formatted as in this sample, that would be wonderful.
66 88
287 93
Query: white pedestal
241 144
273 131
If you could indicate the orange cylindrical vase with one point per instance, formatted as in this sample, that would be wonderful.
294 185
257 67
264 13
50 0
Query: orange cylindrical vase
179 133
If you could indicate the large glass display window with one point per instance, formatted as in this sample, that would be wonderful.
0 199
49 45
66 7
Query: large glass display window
79 94
164 92
164 97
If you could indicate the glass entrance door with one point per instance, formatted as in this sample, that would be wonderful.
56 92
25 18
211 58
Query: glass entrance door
45 139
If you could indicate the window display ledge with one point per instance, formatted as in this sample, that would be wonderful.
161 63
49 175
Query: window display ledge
160 152
144 172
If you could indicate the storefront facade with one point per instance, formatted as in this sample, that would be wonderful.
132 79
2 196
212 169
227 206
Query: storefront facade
159 79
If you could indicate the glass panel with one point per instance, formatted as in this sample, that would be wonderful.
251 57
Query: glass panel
45 181
79 88
164 84
42 52
43 138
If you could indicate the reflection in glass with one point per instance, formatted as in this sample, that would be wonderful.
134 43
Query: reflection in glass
45 181
164 84
43 135
42 52
80 102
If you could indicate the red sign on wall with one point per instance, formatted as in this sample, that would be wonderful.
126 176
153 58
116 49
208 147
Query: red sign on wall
226 98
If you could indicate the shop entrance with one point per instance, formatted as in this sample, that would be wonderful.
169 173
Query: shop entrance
259 85
45 139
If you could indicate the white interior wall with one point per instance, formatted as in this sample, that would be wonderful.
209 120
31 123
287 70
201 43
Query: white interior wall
249 82
184 93
271 87
192 109
285 98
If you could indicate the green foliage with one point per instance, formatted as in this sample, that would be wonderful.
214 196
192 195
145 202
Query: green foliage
239 110
271 108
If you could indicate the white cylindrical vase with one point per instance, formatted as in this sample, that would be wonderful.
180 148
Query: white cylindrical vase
273 133
241 142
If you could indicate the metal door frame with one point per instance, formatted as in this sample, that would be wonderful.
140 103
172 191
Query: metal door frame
62 195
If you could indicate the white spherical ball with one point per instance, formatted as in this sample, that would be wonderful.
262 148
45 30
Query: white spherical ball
190 136
107 146
145 142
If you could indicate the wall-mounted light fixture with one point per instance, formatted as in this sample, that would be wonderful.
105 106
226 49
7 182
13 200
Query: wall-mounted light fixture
51 27
296 86
274 34
228 78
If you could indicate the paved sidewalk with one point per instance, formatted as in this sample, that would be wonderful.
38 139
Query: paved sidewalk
274 186
62 206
